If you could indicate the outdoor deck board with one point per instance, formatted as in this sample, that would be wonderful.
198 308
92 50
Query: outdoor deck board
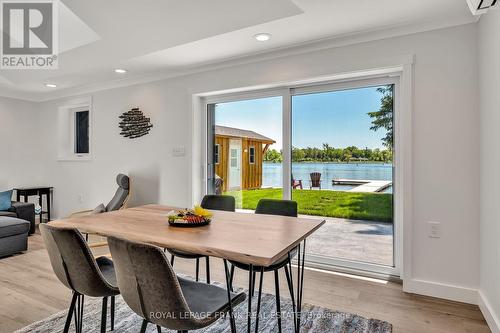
365 186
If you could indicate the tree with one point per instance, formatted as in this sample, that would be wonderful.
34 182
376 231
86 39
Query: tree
383 118
272 155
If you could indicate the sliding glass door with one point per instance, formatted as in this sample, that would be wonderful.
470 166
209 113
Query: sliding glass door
328 147
342 171
245 138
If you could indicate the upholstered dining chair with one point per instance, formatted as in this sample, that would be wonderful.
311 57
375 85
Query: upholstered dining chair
272 207
149 285
76 267
214 202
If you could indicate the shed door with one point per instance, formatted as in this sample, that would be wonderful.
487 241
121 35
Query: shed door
234 164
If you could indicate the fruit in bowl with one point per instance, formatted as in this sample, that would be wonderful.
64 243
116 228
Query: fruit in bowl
190 216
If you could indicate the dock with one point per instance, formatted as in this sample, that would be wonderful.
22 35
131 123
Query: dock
364 186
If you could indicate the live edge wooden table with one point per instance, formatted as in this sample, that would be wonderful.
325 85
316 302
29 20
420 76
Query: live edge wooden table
256 240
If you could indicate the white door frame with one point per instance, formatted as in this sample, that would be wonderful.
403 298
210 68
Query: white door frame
402 161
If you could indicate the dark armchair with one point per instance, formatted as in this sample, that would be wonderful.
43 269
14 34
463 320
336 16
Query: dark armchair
22 210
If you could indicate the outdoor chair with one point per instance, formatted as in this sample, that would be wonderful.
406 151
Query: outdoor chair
218 184
315 180
296 183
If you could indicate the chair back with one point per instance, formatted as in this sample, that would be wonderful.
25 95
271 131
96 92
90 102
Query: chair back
277 207
121 194
219 202
218 185
73 262
315 179
147 282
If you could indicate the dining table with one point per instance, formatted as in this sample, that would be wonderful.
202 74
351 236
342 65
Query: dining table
255 240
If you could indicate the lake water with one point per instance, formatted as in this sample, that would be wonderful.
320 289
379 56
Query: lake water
273 173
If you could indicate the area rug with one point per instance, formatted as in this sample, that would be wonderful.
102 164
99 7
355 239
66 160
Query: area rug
314 319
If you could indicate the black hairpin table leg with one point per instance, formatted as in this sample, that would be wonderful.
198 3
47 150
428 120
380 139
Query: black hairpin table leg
228 286
300 282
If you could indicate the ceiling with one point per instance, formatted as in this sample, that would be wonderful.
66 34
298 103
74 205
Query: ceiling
168 36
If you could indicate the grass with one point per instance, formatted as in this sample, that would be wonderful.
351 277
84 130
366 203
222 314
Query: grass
349 205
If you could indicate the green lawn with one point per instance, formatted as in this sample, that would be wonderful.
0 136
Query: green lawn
350 205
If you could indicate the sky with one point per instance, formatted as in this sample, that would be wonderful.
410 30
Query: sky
338 118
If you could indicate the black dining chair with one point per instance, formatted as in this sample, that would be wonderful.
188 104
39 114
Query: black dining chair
214 202
151 289
271 207
76 267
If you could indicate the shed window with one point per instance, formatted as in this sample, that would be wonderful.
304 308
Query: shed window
216 154
251 155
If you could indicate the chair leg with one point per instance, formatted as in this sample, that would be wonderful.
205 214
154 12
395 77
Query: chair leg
70 312
197 269
172 257
104 314
158 328
112 313
207 260
79 313
253 286
144 326
278 306
232 277
259 300
289 279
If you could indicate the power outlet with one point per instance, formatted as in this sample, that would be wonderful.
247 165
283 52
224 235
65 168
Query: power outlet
179 151
434 229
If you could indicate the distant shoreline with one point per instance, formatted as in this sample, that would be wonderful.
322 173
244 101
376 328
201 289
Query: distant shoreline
332 162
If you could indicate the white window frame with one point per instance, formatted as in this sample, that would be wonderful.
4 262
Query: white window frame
66 130
402 152
250 154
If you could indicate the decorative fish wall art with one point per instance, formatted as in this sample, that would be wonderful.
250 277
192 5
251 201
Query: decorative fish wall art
134 124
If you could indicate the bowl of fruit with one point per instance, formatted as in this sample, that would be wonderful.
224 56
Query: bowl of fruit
190 217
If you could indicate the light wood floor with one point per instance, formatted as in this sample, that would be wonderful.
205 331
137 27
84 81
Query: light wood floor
29 291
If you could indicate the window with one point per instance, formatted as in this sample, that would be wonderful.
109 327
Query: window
82 132
75 130
216 153
251 155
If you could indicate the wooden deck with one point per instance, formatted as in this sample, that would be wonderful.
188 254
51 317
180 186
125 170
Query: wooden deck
364 186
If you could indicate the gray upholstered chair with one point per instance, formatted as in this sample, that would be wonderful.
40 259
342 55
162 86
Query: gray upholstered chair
75 266
272 207
215 202
122 193
149 285
119 200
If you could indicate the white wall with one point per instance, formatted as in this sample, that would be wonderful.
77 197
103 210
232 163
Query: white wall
445 140
489 85
21 160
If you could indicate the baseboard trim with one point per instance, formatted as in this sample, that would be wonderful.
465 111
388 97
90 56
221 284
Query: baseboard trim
441 290
488 313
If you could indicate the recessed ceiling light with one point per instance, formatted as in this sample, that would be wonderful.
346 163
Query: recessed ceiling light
120 70
50 85
263 37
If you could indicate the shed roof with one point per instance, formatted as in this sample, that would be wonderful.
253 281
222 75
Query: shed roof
241 133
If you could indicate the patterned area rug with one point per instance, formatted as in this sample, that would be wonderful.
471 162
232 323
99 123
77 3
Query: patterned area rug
314 319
